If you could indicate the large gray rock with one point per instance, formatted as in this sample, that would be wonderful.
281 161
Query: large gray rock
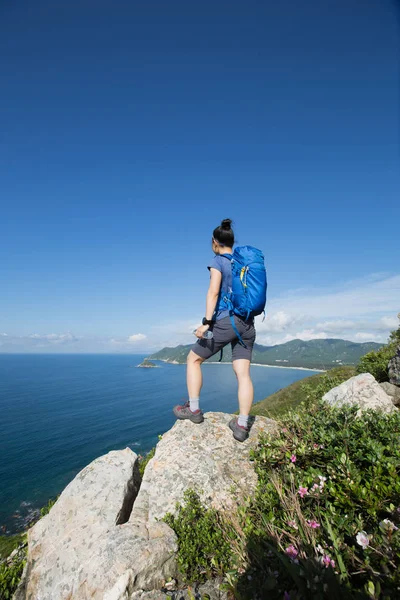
203 457
394 368
393 391
93 545
363 391
78 551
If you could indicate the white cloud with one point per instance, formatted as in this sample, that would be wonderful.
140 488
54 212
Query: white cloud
273 340
136 337
382 324
41 342
360 298
366 336
339 325
54 338
364 309
279 321
389 322
311 334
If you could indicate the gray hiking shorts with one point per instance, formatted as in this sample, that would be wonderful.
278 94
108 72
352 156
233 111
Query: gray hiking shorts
225 334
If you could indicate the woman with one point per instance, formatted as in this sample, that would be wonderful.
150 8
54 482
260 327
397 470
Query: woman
217 319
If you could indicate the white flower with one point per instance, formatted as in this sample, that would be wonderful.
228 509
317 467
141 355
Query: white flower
387 525
362 539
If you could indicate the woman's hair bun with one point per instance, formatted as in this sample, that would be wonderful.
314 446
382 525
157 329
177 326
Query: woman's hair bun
224 234
226 224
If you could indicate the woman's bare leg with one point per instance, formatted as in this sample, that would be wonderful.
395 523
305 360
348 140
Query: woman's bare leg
194 376
241 366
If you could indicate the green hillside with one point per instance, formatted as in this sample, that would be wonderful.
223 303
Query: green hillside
315 354
177 354
299 391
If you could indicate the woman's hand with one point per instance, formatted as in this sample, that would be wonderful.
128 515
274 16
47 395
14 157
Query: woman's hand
200 331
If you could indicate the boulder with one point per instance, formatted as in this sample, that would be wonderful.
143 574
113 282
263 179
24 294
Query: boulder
393 391
85 548
394 368
203 457
102 539
363 391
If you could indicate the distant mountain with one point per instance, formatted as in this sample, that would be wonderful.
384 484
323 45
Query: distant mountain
315 354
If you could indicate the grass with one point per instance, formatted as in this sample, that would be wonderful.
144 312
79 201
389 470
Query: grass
292 395
9 542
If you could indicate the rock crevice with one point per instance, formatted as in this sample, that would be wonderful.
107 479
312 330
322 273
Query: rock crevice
130 494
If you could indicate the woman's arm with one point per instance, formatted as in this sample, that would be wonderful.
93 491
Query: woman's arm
212 297
213 292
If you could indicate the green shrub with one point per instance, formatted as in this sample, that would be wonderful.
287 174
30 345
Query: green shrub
9 542
10 573
10 576
143 460
377 362
203 551
328 483
46 509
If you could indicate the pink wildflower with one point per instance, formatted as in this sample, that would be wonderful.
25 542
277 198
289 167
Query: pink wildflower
328 561
293 458
303 491
292 551
284 430
313 524
292 524
316 446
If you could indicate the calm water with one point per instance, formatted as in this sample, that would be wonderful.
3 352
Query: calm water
59 412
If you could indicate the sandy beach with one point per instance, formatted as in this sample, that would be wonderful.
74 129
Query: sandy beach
216 362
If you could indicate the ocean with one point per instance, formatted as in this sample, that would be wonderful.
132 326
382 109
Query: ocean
60 412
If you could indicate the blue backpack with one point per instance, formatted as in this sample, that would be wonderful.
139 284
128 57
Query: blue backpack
249 285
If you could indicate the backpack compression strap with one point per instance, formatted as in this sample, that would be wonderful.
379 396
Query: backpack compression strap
235 329
231 316
228 301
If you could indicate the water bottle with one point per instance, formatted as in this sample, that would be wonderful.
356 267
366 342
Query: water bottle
207 335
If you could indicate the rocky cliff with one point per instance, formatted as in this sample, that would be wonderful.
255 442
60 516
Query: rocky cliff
104 538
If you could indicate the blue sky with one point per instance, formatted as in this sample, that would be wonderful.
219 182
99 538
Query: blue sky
129 130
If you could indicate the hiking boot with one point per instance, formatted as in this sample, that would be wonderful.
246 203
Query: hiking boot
239 433
183 412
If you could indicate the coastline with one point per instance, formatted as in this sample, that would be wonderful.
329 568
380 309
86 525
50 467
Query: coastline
271 366
296 368
215 362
